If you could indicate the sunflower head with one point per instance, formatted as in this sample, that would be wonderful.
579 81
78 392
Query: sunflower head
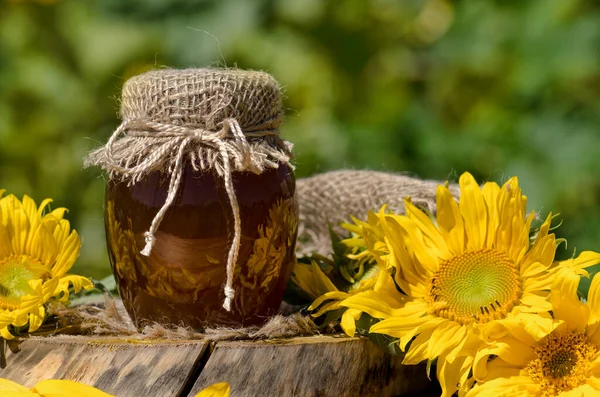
454 276
565 360
37 249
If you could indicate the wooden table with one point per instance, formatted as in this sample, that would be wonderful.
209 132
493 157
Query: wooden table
320 366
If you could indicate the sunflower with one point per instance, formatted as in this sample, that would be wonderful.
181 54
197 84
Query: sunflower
472 265
566 362
36 251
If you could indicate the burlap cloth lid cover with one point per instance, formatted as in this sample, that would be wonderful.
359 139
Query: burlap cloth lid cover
218 120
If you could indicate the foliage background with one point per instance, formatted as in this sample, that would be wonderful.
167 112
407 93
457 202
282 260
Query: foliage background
427 87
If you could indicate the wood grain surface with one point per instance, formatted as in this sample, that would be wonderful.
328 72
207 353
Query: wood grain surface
119 367
320 366
311 366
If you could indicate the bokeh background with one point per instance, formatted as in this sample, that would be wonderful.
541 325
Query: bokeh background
427 87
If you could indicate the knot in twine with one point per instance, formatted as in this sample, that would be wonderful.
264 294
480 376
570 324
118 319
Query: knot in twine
231 145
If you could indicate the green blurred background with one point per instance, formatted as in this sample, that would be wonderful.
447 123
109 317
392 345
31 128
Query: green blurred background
427 87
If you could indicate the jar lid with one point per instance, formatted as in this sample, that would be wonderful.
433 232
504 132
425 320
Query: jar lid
203 98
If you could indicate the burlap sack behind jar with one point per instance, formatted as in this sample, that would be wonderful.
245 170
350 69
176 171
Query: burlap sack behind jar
330 198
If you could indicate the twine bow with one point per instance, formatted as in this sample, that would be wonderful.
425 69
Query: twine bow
173 141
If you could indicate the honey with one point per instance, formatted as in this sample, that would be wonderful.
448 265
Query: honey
181 282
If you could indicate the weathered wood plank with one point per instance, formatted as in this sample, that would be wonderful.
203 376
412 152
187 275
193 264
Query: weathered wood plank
320 366
311 366
119 367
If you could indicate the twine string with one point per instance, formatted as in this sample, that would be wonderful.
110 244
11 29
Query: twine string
172 138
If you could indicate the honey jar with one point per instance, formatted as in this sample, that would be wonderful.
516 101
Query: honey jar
200 209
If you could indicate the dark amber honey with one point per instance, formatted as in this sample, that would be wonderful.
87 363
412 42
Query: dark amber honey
181 282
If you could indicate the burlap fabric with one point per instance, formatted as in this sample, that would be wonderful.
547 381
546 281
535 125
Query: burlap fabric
330 198
111 318
217 120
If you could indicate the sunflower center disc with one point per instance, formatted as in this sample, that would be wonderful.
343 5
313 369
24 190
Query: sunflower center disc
476 286
15 274
563 362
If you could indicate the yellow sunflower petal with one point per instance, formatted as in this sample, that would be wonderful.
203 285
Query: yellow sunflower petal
4 209
544 228
511 351
448 212
62 229
594 382
520 243
42 293
66 388
565 303
327 307
450 221
536 326
30 209
382 283
338 295
426 261
539 303
5 333
491 191
498 368
583 261
311 279
20 319
48 288
348 322
216 390
473 211
76 282
20 230
42 245
418 351
36 319
380 305
594 300
432 233
445 337
5 243
397 326
515 386
6 317
69 253
471 342
539 258
58 213
9 385
410 273
585 390
452 375
424 329
511 209
42 207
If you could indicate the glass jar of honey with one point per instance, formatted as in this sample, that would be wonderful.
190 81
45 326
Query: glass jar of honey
190 140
